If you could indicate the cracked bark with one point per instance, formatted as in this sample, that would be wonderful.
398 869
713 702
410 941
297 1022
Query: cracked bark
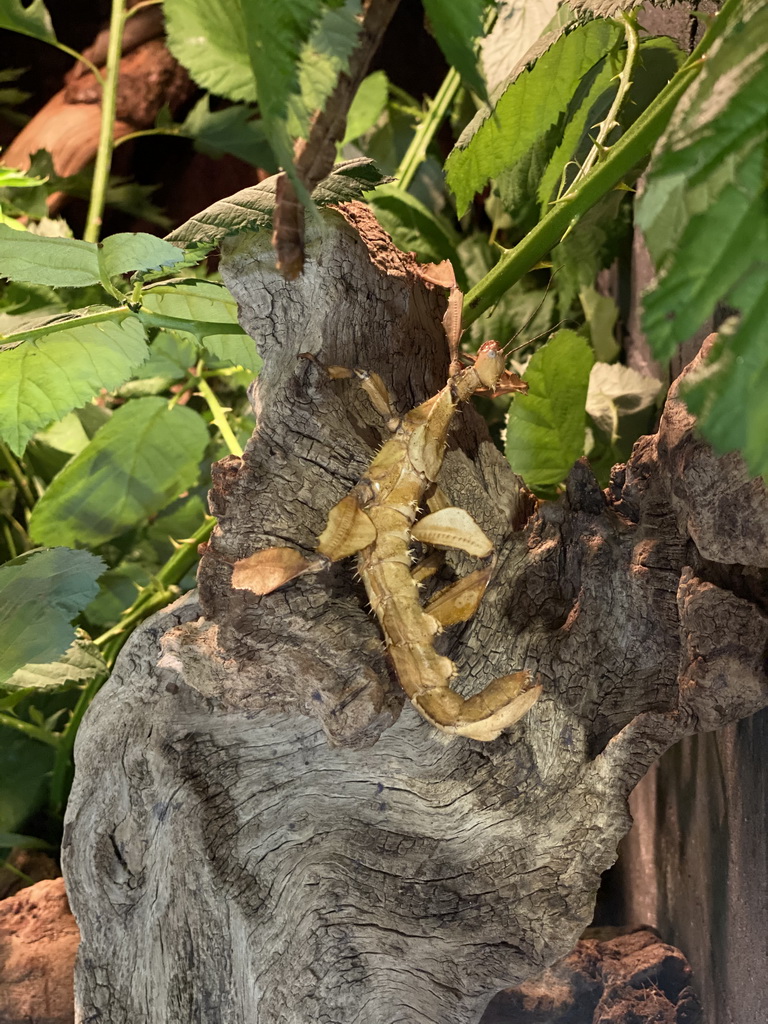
260 831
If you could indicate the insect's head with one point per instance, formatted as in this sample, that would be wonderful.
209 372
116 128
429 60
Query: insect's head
489 365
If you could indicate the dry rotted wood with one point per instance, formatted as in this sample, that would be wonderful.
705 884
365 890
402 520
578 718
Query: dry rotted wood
259 831
627 978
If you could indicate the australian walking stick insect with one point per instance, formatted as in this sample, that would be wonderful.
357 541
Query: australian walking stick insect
378 522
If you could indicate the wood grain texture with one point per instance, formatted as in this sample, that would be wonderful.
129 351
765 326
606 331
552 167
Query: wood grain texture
258 834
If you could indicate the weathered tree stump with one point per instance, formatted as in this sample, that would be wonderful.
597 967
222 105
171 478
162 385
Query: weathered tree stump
259 831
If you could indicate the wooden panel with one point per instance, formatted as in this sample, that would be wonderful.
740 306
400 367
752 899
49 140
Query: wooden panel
696 864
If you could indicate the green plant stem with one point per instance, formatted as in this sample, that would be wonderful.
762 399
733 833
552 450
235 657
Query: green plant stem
147 317
157 595
633 147
83 60
141 6
219 415
7 866
9 462
34 732
108 108
144 132
60 775
416 153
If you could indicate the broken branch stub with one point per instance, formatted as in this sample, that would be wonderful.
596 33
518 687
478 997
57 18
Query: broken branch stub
250 802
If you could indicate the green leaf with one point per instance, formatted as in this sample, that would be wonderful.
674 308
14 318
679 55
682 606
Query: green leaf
229 348
59 262
209 40
703 216
206 301
517 27
81 663
39 597
32 20
533 101
251 209
275 33
10 178
136 464
24 767
367 106
17 841
232 130
591 245
457 26
135 251
728 396
413 227
601 313
46 377
323 58
545 429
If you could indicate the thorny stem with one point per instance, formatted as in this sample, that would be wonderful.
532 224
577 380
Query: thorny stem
219 414
147 317
35 732
632 148
158 594
610 122
108 108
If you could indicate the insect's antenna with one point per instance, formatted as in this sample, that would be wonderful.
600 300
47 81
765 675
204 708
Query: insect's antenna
507 351
530 341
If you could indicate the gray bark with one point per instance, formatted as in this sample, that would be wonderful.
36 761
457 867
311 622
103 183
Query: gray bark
260 832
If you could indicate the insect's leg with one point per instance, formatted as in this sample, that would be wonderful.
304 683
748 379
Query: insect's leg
453 528
485 715
459 601
347 531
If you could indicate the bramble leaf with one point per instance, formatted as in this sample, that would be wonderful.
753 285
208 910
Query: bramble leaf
275 34
252 208
46 377
39 597
703 216
518 25
206 302
209 40
323 58
616 391
58 262
545 429
532 102
32 20
80 663
136 251
367 106
136 464
233 130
